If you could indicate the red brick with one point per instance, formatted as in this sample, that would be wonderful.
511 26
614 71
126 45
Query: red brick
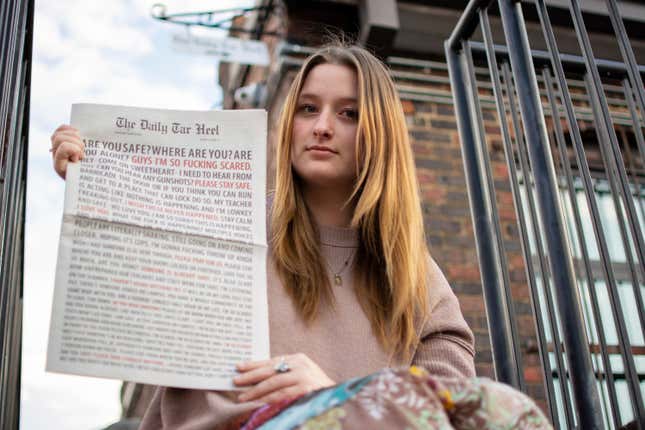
471 304
408 107
500 171
507 214
525 321
533 374
464 272
505 198
516 261
433 194
484 370
426 176
445 110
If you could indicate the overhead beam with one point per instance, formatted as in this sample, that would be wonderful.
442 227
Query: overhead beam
379 23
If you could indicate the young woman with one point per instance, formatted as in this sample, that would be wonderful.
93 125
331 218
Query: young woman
351 286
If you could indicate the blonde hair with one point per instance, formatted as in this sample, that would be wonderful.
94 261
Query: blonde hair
391 260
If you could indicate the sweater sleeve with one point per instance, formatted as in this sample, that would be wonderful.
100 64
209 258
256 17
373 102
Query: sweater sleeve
446 346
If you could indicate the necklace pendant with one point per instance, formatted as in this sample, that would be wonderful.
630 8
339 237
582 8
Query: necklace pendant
338 280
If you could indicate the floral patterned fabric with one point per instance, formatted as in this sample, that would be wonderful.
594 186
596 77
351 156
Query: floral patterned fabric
409 399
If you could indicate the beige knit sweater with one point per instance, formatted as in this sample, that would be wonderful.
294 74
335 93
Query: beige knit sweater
340 341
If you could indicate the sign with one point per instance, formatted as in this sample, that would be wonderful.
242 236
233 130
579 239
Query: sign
227 49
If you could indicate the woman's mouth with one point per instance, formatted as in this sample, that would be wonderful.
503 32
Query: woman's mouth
321 148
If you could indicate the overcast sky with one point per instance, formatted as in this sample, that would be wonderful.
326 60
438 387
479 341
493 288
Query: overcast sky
101 52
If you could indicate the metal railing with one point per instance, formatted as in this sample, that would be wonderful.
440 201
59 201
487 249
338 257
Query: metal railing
16 31
579 365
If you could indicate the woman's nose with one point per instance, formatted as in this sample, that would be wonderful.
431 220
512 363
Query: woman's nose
324 126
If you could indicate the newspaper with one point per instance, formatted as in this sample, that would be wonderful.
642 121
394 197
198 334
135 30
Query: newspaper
161 272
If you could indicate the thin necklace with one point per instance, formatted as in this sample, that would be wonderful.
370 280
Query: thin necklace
338 279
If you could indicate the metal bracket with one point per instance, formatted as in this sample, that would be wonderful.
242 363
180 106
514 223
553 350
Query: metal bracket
221 19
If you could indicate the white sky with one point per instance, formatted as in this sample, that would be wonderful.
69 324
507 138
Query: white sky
101 52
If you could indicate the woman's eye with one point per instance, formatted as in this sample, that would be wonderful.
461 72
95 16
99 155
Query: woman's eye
350 113
307 108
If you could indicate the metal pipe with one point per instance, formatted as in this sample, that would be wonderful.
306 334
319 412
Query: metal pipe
638 133
539 245
467 24
517 199
568 59
6 65
609 134
576 344
503 352
598 321
623 337
484 160
8 84
574 132
489 102
16 21
627 53
615 164
640 141
636 124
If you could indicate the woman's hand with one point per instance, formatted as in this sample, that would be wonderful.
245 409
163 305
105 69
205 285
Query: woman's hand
67 146
273 384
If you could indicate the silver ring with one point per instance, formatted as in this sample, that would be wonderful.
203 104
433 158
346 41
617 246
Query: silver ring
282 366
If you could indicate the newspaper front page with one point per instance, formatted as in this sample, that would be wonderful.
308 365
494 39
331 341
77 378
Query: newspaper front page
161 273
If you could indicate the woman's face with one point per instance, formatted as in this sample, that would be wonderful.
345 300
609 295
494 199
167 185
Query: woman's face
323 141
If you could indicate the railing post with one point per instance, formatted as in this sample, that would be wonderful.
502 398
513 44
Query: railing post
576 344
504 358
16 31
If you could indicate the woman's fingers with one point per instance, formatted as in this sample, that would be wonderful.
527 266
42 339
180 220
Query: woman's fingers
279 378
67 146
253 372
282 394
250 365
66 136
257 374
64 127
269 386
65 153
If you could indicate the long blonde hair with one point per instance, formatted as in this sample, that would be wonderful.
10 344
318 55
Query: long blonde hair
391 260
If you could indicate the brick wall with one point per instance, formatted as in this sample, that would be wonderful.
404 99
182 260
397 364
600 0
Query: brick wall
435 142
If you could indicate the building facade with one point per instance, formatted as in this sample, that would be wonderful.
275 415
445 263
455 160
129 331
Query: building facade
409 36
